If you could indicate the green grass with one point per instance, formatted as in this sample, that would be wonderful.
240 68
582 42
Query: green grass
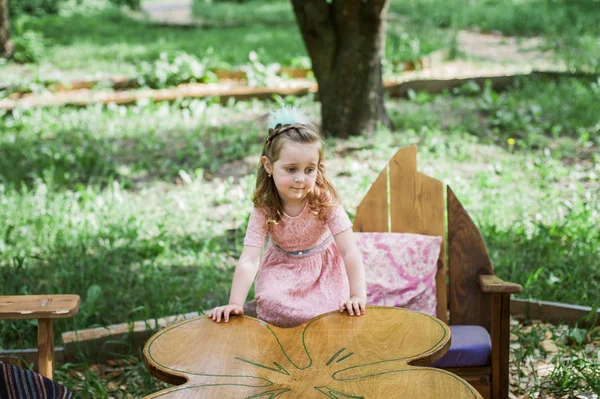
533 113
542 228
102 39
141 210
135 203
107 41
73 147
256 12
569 365
512 17
112 42
70 225
126 377
570 28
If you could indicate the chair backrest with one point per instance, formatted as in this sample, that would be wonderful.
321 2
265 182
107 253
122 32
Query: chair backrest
405 201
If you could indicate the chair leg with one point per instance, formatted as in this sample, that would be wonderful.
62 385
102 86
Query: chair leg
500 344
45 348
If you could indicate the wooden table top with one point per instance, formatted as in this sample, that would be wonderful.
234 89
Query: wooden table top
333 355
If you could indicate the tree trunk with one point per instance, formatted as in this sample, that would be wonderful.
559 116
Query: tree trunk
6 48
345 39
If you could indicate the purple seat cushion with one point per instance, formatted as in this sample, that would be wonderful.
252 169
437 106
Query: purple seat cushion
470 347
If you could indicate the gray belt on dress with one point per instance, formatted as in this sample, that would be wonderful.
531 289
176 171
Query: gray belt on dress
316 249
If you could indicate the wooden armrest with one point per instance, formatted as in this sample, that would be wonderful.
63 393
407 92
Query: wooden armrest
38 306
491 283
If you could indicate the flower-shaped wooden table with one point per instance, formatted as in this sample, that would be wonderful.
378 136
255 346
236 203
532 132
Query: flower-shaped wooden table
378 355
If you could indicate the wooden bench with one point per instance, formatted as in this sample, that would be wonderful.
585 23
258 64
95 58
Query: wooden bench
44 308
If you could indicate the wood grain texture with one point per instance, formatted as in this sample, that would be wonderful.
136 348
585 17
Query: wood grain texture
504 345
38 306
417 207
45 348
500 344
467 259
493 284
372 214
333 355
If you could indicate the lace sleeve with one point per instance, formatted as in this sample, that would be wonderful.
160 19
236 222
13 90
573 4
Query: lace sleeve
338 220
257 229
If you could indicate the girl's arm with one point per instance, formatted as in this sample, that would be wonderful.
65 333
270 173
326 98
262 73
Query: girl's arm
245 271
355 269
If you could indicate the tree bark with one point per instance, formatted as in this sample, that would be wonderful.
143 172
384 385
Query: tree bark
344 39
6 48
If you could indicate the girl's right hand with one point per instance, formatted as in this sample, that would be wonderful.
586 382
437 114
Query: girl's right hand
225 311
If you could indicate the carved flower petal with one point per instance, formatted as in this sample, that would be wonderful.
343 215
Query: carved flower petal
253 354
362 341
409 382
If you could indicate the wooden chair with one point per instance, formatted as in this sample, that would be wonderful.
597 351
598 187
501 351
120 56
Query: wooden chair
468 292
44 308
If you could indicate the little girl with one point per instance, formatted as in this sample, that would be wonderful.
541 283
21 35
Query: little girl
311 264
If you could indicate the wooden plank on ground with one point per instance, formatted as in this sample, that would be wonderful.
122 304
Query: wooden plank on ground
228 90
104 342
436 86
553 312
27 357
193 90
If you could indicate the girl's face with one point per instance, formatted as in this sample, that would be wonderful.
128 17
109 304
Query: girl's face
295 172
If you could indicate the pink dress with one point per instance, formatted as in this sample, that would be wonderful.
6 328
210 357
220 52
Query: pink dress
302 273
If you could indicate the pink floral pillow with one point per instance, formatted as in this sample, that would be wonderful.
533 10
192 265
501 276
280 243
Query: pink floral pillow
400 269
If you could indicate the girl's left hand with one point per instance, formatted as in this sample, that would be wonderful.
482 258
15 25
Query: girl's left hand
355 306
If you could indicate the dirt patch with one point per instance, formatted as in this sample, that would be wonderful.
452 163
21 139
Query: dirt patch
175 14
503 49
